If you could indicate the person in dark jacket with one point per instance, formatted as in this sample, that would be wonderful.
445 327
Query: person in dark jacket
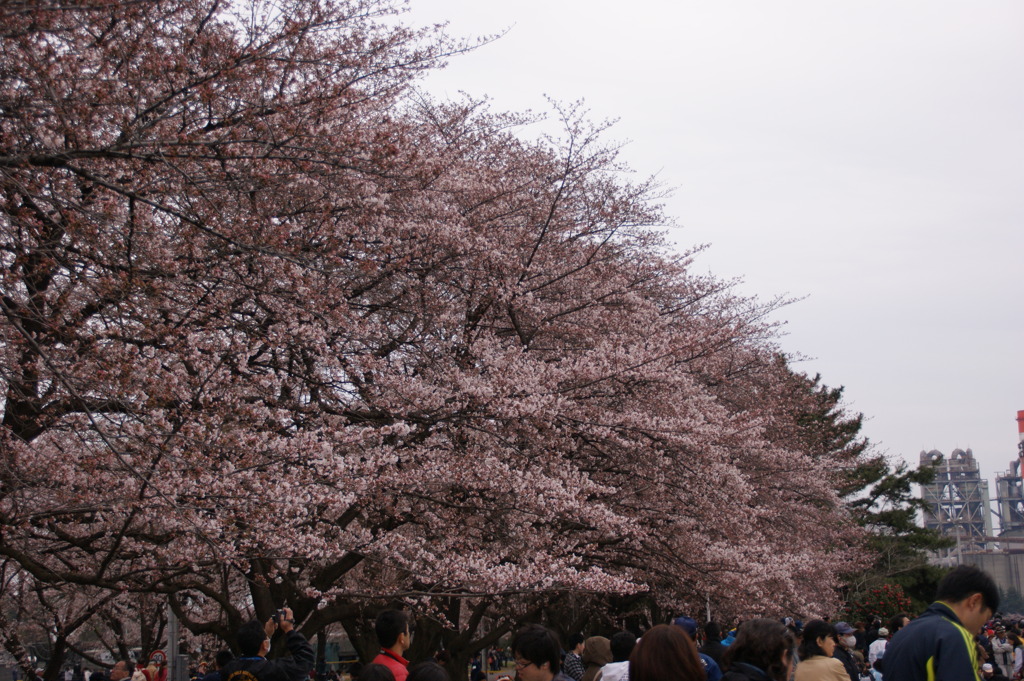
847 640
254 643
762 651
713 647
711 668
939 645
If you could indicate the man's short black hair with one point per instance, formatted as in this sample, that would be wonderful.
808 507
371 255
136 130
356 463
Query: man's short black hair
376 672
575 640
389 625
965 580
712 631
622 645
537 644
223 657
428 671
250 637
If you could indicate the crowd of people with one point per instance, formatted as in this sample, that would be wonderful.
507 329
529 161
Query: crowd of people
960 637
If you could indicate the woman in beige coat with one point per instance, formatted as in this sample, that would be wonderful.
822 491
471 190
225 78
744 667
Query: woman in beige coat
816 661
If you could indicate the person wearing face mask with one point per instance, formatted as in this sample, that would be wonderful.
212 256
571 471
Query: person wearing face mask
844 651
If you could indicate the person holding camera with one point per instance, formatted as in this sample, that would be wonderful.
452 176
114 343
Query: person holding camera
253 641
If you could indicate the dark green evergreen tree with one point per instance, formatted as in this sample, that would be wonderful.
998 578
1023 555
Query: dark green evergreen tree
879 493
883 500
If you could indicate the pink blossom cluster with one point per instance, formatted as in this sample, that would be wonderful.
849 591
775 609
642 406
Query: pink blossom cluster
278 329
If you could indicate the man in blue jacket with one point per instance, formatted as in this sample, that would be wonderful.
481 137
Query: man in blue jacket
940 644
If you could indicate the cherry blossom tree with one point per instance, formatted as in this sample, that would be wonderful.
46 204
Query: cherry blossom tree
278 329
42 624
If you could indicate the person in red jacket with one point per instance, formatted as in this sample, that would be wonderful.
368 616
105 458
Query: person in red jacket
394 634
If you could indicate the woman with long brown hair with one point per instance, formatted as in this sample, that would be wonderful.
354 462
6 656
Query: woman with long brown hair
762 651
665 653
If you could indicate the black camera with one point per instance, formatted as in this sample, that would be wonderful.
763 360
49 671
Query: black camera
279 616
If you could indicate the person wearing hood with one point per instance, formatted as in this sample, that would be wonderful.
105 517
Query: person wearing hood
597 652
622 645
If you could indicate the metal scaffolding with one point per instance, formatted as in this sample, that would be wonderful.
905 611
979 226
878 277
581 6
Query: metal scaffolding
958 502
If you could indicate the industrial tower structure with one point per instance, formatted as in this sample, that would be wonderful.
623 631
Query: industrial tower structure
1010 491
958 503
958 507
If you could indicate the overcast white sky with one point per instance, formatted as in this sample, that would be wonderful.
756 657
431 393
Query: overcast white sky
868 155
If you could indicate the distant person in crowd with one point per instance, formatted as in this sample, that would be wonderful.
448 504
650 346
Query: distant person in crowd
762 651
847 640
428 671
253 641
897 622
665 653
597 652
877 648
861 635
1002 648
477 673
816 654
155 669
1018 656
990 673
572 666
713 647
985 656
122 670
622 645
863 669
872 634
939 645
711 668
537 654
394 629
220 661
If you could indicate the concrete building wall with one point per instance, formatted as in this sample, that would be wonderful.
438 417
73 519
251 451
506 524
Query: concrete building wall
1007 569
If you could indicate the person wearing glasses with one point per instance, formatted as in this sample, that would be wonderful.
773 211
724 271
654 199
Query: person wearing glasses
537 654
